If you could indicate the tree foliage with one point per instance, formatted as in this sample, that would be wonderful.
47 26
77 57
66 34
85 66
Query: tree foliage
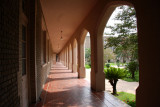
132 67
126 42
108 55
88 56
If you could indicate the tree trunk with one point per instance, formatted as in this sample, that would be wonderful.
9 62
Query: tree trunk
114 90
114 87
133 77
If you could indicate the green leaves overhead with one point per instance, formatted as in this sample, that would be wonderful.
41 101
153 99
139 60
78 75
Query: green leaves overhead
125 42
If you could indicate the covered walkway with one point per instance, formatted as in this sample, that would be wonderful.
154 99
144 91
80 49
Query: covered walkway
64 89
34 34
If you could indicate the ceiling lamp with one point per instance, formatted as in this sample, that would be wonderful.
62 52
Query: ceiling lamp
61 35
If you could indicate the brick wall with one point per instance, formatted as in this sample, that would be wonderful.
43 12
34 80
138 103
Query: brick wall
42 68
32 54
9 52
38 70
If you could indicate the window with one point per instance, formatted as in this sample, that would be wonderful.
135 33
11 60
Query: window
23 50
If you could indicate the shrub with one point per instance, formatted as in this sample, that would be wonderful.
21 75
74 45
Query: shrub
129 76
87 66
132 67
118 63
89 63
113 74
107 65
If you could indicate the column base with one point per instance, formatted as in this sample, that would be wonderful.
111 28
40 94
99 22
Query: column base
70 66
82 72
62 62
98 81
74 68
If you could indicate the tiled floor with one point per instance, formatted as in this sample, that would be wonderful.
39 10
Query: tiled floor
64 89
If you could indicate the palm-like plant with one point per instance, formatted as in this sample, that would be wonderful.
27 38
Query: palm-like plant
113 74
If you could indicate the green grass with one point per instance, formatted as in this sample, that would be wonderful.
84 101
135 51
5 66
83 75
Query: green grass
114 64
127 98
87 66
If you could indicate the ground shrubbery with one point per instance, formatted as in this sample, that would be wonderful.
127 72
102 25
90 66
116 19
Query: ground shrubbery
127 98
113 74
131 71
87 66
129 78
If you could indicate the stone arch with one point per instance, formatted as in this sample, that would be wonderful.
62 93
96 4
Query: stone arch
97 73
81 54
83 36
107 12
103 19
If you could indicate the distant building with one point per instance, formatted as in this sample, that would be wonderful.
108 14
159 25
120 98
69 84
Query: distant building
88 42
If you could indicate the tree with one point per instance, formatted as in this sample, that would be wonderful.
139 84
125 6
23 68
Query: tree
132 67
108 55
88 56
113 74
126 42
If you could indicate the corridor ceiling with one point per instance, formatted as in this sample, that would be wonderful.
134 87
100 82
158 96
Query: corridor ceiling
65 15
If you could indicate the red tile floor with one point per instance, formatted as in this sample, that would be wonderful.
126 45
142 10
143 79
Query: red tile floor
64 89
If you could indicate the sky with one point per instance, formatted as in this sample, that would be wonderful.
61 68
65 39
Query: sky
111 21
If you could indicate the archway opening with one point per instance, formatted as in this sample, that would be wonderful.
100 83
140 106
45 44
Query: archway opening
121 54
87 54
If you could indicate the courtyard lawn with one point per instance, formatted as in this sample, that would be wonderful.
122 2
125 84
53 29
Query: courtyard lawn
87 66
113 64
127 98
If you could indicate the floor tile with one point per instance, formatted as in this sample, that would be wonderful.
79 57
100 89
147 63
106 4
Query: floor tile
64 89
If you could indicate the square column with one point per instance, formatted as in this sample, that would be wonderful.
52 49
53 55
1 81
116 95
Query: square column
81 61
70 57
67 62
74 56
97 65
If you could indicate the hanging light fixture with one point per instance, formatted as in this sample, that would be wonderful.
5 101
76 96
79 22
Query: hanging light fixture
61 35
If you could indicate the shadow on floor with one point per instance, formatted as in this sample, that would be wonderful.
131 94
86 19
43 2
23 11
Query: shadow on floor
60 72
78 96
